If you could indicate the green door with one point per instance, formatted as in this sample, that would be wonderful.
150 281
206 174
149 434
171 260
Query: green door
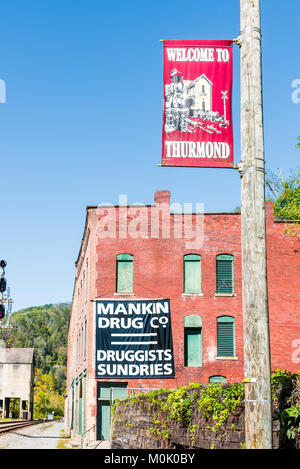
80 416
80 408
193 347
107 393
104 421
72 412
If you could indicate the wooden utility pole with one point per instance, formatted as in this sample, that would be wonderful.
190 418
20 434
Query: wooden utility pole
258 404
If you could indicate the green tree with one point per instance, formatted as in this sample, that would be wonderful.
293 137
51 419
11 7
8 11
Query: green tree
46 399
285 192
44 328
287 206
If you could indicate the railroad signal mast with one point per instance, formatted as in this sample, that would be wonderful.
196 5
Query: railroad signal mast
5 298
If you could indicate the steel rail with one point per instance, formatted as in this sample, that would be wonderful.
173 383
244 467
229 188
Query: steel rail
6 427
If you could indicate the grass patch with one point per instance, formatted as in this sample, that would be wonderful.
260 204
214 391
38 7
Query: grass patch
62 444
65 443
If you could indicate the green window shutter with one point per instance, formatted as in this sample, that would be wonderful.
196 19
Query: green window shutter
124 273
193 321
217 379
225 273
192 273
225 336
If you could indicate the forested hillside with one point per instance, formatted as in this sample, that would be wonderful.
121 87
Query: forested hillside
45 329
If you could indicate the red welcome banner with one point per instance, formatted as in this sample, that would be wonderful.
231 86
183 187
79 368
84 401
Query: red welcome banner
197 120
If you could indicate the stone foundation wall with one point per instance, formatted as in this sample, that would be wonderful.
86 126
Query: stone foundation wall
139 425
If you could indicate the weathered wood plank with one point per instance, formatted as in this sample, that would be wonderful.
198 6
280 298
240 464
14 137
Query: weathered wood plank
258 407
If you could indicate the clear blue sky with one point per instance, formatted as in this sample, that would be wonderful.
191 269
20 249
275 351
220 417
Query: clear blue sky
83 116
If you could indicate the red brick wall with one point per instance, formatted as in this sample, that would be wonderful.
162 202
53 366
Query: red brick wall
158 273
284 294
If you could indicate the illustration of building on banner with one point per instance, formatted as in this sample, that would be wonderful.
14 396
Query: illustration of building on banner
189 105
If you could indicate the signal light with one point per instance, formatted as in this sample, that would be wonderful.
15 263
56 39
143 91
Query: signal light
2 311
3 264
2 284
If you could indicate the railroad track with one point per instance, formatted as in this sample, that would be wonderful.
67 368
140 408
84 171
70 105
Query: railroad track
6 427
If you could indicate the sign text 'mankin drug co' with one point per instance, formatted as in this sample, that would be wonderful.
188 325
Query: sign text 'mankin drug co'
134 339
197 119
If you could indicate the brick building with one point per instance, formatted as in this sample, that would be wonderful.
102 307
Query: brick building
131 253
16 382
